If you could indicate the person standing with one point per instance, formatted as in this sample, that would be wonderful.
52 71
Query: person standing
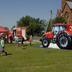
2 46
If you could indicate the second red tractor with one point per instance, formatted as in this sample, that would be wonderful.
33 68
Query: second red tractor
61 34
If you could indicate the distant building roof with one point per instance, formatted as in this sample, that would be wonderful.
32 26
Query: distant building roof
69 4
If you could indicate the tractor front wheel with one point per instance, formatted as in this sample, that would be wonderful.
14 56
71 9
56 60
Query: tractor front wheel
45 42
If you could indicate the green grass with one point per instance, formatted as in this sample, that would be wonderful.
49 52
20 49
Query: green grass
28 58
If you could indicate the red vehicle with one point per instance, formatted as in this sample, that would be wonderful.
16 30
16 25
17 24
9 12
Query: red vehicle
61 34
19 32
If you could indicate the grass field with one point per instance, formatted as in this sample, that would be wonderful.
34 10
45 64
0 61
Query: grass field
28 58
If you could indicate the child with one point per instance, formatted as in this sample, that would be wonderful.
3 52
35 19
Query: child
2 45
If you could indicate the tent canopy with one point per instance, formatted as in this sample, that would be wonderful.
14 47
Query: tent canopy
3 30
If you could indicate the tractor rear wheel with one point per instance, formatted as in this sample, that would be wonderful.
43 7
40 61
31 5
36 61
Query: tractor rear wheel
63 41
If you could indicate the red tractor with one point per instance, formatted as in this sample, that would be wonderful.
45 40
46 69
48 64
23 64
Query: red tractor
61 34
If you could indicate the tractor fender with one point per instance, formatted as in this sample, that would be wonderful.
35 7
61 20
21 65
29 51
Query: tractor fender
48 35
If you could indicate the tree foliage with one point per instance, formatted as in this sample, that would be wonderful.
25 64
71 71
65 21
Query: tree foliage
34 25
59 20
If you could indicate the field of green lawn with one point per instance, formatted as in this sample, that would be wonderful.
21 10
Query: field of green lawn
26 58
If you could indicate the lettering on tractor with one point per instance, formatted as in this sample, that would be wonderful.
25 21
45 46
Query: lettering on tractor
61 34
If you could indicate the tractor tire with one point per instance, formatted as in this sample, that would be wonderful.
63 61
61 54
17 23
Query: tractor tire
63 41
45 42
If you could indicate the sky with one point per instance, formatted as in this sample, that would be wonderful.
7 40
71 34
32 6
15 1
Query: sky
12 10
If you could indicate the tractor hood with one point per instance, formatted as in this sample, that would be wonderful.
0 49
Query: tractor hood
48 34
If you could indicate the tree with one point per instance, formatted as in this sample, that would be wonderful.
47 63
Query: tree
59 20
34 25
24 21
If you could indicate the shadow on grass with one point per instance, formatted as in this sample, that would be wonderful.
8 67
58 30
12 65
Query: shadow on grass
9 53
38 46
67 49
